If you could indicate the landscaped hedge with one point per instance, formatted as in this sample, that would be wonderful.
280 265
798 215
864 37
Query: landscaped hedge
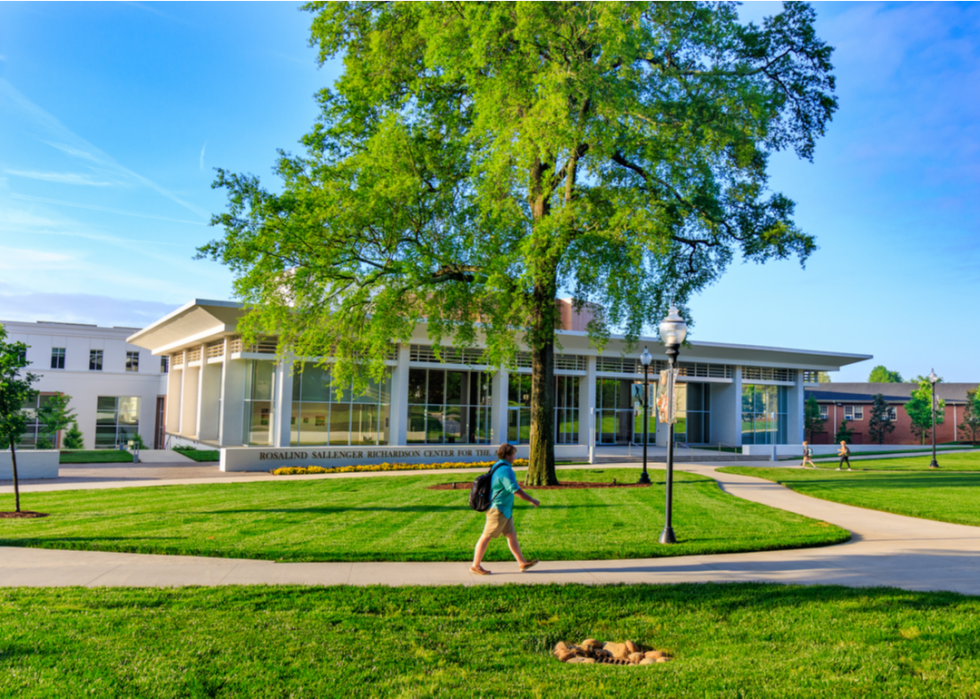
362 468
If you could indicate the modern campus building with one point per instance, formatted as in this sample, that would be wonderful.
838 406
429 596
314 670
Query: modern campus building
221 393
117 389
851 403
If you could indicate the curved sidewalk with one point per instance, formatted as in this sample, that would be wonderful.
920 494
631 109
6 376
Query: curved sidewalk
886 549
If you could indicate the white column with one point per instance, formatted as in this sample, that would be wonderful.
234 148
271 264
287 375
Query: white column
172 411
179 424
199 411
586 401
498 411
208 417
231 425
398 411
282 397
795 404
737 384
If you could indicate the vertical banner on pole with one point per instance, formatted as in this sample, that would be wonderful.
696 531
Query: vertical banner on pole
666 402
591 435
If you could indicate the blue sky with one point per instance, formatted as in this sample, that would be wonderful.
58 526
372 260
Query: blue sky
112 116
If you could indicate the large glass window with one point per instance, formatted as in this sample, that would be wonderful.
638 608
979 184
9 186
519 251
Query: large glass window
448 407
697 417
636 393
326 413
33 429
519 409
117 420
259 408
764 414
614 411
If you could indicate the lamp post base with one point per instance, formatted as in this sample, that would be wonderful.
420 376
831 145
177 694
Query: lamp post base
934 464
667 536
644 478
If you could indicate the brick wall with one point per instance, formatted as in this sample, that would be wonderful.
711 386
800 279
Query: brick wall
902 434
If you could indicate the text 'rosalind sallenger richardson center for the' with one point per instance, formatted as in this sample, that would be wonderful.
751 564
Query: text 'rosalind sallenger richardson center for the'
261 413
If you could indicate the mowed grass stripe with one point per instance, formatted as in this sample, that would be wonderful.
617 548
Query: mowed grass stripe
397 518
939 495
736 640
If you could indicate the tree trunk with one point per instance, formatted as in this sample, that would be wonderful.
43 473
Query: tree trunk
541 469
13 468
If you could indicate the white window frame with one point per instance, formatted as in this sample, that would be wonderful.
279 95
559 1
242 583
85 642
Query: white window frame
892 414
58 355
853 413
132 361
824 412
92 355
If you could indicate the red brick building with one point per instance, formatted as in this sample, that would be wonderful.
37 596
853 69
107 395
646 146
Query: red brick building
851 402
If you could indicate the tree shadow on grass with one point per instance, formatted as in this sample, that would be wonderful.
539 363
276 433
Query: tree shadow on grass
404 508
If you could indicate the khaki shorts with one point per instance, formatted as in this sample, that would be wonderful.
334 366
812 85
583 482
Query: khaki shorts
497 524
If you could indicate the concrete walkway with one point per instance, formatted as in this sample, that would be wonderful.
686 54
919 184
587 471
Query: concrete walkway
886 549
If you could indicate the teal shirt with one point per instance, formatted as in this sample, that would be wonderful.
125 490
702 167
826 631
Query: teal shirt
503 485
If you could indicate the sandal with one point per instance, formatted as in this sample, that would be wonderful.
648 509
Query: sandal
479 570
529 564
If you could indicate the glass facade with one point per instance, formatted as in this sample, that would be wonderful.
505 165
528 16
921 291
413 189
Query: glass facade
694 422
619 411
519 409
324 413
764 414
117 420
259 407
449 407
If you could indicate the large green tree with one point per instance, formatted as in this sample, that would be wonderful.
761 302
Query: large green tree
474 159
56 416
919 408
880 424
813 423
881 374
971 415
15 393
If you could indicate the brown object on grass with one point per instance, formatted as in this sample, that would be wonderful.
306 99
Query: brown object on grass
635 657
590 644
23 514
654 654
631 647
560 647
663 659
566 654
647 661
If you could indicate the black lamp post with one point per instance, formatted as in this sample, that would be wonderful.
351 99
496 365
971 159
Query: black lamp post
645 360
673 330
933 379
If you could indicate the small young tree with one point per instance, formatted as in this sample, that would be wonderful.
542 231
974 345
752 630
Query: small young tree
56 416
812 422
919 409
844 433
971 415
881 374
73 437
15 392
880 425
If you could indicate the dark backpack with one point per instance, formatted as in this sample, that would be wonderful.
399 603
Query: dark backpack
480 492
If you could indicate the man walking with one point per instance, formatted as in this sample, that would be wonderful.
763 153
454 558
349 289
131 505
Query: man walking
500 516
808 455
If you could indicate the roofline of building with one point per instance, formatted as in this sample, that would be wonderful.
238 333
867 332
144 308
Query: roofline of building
180 311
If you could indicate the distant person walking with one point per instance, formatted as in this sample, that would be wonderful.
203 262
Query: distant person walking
500 516
845 456
807 455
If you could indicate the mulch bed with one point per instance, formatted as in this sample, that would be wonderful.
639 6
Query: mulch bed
23 514
571 485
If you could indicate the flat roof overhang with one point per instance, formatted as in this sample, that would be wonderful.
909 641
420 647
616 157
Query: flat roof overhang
202 321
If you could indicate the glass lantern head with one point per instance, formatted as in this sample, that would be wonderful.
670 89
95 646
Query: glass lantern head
646 357
673 329
932 377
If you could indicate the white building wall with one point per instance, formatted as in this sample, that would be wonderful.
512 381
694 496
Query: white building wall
85 386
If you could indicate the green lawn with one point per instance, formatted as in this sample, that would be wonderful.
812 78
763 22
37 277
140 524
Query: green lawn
199 454
947 462
95 456
737 640
943 496
397 518
911 450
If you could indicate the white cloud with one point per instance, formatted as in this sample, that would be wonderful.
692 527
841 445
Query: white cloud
57 135
108 210
202 155
59 177
22 305
20 258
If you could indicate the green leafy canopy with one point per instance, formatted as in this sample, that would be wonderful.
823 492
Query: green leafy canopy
475 158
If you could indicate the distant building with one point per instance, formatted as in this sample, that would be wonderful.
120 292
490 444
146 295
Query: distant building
851 403
223 393
117 389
